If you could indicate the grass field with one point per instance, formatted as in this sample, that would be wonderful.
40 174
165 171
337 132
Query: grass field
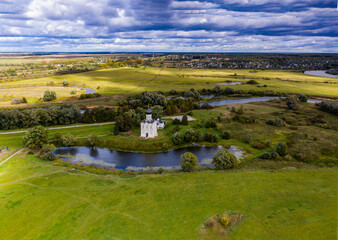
37 92
42 201
135 80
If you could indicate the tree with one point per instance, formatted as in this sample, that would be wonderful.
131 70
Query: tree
226 134
223 159
128 123
68 140
169 110
36 137
281 148
188 162
178 138
92 141
291 103
189 135
174 109
49 96
184 120
47 152
302 98
119 123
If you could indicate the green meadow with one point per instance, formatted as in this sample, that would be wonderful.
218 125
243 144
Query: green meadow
42 201
124 81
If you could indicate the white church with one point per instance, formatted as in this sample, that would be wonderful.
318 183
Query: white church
149 126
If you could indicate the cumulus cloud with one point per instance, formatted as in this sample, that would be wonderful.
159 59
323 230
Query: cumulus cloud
168 25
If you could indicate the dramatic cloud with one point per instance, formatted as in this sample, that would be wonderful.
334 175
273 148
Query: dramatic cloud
168 25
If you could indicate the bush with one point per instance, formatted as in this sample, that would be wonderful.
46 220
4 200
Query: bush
277 122
206 106
188 162
178 138
281 149
247 138
329 107
240 111
47 152
73 92
93 140
189 135
24 100
184 120
224 221
68 140
209 137
49 96
269 155
176 121
252 82
258 145
233 109
210 124
65 83
226 134
36 137
302 98
291 103
223 159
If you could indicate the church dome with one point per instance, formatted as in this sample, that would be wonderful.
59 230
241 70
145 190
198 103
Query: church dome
148 111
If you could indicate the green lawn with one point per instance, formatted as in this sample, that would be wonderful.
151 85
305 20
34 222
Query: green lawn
135 80
43 201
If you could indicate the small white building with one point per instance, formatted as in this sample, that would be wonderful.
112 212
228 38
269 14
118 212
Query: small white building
149 126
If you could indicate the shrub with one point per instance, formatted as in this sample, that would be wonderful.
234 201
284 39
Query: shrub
224 221
223 159
68 140
209 137
206 106
184 120
277 122
269 155
65 83
258 145
23 100
176 121
240 111
188 162
36 137
210 124
252 82
247 138
160 170
291 103
302 98
178 138
93 140
47 152
281 149
49 96
329 107
189 135
226 134
73 92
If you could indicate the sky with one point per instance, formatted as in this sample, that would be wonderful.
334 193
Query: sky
169 26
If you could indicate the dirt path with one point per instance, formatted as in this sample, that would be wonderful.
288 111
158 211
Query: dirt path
54 128
17 152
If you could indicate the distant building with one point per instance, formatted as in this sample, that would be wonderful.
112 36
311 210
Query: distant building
149 126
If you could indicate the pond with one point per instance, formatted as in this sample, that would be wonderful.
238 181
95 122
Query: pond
320 73
228 83
249 100
134 161
87 90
